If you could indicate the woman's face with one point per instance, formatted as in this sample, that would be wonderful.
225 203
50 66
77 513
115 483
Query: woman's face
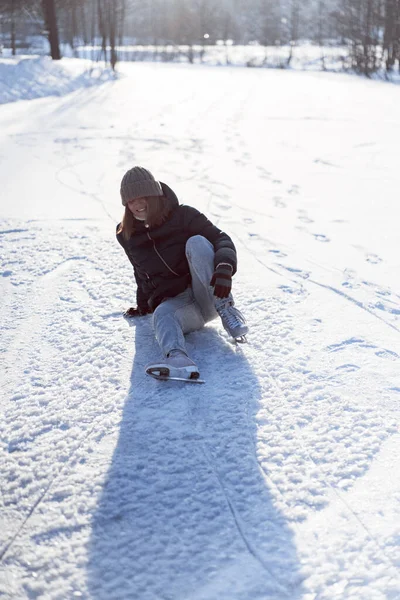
138 208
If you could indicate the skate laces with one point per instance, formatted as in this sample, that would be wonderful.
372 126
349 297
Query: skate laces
230 315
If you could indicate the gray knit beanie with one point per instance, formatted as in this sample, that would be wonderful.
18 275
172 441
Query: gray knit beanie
138 183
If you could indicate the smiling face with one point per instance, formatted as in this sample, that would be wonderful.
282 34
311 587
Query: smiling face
138 208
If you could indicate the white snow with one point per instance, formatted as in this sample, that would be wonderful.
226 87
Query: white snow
279 478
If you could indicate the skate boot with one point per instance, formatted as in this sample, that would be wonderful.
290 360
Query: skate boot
177 365
232 319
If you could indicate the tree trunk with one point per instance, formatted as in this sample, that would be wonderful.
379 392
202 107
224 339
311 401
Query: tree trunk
367 42
102 30
321 10
49 10
83 20
121 23
392 32
294 28
74 24
13 36
112 25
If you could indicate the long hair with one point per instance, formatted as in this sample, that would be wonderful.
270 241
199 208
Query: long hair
158 210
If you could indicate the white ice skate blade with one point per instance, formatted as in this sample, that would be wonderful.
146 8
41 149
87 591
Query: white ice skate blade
166 378
162 374
239 340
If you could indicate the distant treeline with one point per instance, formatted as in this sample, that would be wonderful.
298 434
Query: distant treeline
370 29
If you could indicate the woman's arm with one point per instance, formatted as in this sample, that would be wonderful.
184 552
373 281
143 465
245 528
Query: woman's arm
197 224
141 296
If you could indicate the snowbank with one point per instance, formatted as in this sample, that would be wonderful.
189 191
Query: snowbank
27 77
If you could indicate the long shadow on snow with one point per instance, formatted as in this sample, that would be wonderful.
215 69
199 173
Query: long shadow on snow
185 513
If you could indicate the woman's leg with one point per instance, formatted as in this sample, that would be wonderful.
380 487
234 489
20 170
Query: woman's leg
173 318
193 308
200 256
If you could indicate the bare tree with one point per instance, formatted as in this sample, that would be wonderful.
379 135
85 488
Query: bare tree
321 22
10 15
49 11
270 12
369 28
110 26
101 13
392 34
12 18
294 24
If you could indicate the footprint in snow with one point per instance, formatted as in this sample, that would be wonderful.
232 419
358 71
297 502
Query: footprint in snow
278 253
351 279
385 308
315 324
349 368
264 173
342 345
380 292
389 354
364 145
278 202
304 217
320 237
321 161
222 206
298 272
294 189
373 259
387 301
350 285
292 290
381 352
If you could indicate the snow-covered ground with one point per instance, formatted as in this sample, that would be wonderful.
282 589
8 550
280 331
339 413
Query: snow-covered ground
279 478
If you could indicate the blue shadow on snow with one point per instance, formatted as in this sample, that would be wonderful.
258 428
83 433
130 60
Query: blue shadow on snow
185 513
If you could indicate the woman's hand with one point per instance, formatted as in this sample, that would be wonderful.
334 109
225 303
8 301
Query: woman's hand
136 312
222 280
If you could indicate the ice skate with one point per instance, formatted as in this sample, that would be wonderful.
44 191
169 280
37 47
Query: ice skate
232 319
177 366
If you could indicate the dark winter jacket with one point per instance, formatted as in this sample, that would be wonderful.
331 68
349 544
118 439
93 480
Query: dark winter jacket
158 253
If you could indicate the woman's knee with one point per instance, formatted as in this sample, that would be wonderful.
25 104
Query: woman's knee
160 313
169 306
198 243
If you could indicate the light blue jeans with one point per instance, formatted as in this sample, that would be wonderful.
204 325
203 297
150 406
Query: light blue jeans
194 307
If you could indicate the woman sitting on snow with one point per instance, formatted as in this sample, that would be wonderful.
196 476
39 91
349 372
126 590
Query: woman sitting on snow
183 266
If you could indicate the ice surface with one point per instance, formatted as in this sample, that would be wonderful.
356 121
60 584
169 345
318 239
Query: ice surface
277 479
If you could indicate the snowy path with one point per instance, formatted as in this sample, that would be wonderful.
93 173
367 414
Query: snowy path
280 478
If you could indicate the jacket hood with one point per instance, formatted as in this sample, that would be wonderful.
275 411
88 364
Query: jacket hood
170 195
